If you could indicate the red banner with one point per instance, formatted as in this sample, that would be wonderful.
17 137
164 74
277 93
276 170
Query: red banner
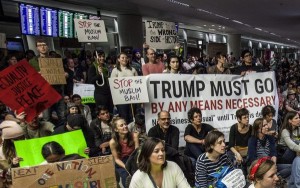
24 89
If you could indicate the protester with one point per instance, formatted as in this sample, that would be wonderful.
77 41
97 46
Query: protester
173 65
239 136
165 131
289 138
154 170
98 75
268 112
212 160
101 127
37 128
152 66
54 152
84 109
122 144
76 122
123 69
219 68
263 173
11 131
195 133
261 145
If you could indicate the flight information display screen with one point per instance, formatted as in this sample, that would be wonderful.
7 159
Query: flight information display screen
65 24
49 22
30 22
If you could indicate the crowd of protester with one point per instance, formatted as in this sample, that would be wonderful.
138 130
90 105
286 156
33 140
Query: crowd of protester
264 151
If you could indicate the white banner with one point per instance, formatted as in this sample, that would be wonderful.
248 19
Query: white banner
90 30
128 90
161 35
218 96
86 91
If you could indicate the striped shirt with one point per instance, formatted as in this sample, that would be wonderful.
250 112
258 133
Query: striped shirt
205 166
263 149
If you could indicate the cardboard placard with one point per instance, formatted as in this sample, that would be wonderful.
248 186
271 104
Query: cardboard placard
52 70
234 179
86 91
31 150
97 172
24 89
128 90
161 34
90 30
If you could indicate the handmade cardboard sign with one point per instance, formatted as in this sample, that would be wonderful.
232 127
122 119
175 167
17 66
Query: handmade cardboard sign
91 173
52 70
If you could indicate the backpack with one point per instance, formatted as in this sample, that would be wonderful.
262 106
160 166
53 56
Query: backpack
218 176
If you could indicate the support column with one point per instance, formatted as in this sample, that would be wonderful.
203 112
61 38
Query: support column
130 31
234 45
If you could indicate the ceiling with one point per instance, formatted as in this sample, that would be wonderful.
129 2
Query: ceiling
276 20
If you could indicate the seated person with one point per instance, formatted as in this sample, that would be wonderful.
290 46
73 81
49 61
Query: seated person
102 130
288 138
76 122
263 173
165 131
263 145
239 135
54 152
212 160
195 133
268 112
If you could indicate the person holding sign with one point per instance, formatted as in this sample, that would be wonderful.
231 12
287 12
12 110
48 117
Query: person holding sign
263 173
98 75
122 145
212 160
123 69
195 133
155 170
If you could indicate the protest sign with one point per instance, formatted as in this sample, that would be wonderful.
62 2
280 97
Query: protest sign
234 179
161 35
24 89
52 70
90 30
86 91
94 172
31 150
128 90
218 96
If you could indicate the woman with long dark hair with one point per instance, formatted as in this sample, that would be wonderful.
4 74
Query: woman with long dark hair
154 170
288 138
122 145
123 69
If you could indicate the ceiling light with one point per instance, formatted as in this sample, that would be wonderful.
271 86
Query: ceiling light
204 25
258 28
178 3
237 22
218 15
213 25
211 29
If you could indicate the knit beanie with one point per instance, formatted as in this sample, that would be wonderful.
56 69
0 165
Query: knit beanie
10 129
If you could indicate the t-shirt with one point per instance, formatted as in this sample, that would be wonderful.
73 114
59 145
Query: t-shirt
150 68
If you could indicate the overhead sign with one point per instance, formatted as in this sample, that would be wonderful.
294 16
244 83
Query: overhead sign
52 70
128 90
217 96
24 89
90 30
93 173
161 34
